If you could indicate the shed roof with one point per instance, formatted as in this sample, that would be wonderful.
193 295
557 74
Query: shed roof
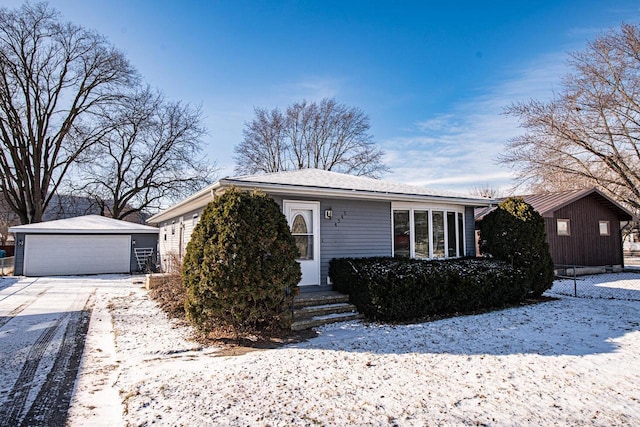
547 203
88 224
320 183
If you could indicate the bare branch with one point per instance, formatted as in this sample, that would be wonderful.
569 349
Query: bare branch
54 77
588 134
150 155
325 135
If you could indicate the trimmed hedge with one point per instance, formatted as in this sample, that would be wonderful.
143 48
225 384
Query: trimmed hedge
399 289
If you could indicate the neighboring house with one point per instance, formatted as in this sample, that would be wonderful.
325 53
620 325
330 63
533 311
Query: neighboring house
90 244
583 226
7 219
68 206
334 215
631 240
60 207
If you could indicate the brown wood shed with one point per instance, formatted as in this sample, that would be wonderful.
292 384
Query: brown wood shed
583 226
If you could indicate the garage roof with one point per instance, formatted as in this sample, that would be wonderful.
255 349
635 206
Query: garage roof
88 224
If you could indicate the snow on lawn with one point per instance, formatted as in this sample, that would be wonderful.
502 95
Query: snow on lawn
566 362
611 285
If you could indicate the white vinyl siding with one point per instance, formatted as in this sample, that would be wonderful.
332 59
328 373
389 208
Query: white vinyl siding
357 228
175 234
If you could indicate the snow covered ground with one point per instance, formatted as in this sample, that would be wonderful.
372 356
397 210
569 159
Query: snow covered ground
42 330
625 286
568 362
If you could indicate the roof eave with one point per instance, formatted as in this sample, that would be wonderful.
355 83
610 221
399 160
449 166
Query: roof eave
284 189
19 230
630 216
205 195
579 195
189 204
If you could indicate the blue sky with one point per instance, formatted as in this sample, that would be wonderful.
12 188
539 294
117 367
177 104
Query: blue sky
433 77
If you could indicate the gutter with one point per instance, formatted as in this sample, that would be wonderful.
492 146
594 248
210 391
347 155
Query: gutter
207 194
185 205
315 191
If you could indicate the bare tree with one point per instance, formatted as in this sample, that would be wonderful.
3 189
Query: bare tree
588 134
486 191
325 135
264 148
53 76
150 153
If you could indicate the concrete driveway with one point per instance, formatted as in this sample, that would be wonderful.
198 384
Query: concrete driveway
43 325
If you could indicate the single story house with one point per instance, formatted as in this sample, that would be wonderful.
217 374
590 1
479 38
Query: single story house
90 244
337 215
583 226
631 243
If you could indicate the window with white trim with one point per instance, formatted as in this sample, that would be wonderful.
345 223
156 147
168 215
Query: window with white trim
437 217
426 233
564 227
401 233
422 234
461 248
604 228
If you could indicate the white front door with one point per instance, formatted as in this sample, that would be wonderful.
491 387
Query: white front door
304 222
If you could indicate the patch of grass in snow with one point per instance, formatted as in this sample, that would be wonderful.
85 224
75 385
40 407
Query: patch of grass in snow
237 345
170 295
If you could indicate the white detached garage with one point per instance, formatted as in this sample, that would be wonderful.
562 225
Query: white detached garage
90 244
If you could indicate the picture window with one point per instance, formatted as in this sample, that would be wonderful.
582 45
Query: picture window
427 234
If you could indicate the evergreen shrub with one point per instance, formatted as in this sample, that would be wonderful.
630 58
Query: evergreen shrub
400 289
240 267
515 232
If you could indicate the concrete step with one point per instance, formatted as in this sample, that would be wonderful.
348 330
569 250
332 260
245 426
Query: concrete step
321 310
315 321
313 309
319 298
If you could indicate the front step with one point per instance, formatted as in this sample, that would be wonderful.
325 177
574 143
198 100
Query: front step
319 298
320 308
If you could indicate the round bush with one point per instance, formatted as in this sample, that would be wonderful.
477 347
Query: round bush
515 232
240 268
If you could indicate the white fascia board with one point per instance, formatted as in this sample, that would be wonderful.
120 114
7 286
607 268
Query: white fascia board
356 194
203 197
80 231
194 202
